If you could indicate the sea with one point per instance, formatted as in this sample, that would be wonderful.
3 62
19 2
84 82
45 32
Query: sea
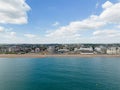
60 73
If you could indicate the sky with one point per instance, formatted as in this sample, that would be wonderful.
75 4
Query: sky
59 21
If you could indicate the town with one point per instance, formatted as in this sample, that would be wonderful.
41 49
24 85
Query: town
48 49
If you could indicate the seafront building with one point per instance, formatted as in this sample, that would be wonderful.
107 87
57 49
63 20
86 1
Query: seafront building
37 50
118 50
113 50
100 50
51 49
61 49
86 50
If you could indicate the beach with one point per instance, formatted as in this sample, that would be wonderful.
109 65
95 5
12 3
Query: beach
54 55
21 56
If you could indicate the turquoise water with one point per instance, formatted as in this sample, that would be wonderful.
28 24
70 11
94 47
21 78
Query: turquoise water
60 73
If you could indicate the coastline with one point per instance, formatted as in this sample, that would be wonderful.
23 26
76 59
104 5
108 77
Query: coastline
54 55
21 56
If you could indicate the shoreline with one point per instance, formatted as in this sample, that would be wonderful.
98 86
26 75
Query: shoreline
54 55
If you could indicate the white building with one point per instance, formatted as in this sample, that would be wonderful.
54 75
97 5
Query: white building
63 50
112 50
100 50
51 49
37 50
84 50
118 50
32 51
13 49
76 50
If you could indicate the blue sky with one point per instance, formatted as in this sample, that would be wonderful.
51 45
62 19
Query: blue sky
59 21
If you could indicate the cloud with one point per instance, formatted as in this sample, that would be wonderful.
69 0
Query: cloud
107 4
13 11
6 34
93 29
109 15
118 26
92 22
56 24
106 36
111 12
30 35
13 33
2 29
107 33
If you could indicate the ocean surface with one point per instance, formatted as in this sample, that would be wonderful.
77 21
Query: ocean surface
60 73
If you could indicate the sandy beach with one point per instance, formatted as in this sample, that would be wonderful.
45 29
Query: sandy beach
21 56
55 55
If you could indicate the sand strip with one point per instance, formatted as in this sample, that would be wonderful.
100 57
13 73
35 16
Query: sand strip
56 55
